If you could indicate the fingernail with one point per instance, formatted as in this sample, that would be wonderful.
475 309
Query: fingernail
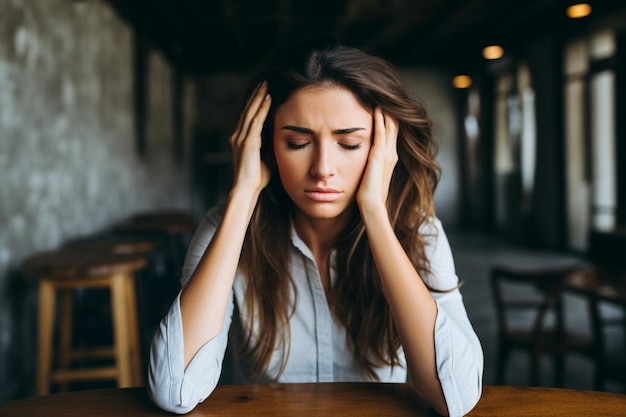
267 96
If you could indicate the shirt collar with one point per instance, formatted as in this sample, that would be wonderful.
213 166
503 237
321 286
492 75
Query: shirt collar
299 244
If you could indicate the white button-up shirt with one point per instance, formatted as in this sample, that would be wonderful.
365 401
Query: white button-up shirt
318 348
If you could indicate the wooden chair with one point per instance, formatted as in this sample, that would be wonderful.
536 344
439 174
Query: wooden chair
64 271
600 287
546 333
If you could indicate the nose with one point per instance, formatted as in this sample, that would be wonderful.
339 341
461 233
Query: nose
322 165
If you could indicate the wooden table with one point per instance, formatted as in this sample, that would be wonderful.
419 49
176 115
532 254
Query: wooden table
324 399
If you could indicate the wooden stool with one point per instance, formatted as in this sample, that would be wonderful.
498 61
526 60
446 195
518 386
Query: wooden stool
171 222
67 270
118 245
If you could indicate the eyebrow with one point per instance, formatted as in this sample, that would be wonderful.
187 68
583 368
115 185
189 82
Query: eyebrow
307 131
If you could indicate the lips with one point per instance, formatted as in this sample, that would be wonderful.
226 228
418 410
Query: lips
322 194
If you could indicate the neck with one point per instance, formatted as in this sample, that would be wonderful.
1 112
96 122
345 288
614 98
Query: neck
319 235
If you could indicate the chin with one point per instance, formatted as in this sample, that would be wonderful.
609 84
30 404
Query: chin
322 211
322 214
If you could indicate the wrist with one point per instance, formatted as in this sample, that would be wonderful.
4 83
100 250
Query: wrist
244 197
373 211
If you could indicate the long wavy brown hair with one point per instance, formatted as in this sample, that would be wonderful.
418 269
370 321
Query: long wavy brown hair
356 299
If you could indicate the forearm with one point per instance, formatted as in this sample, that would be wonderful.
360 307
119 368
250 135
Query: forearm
172 387
412 306
204 299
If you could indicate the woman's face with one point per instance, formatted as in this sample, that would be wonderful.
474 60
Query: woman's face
322 138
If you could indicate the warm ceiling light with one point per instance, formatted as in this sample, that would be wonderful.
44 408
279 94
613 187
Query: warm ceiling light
577 11
493 52
462 81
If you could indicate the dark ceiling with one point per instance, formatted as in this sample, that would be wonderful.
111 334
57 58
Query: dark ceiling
202 36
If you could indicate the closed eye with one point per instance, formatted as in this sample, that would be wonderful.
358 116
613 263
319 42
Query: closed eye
350 147
292 145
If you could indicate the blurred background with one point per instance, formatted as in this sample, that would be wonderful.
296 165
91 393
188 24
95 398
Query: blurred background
115 109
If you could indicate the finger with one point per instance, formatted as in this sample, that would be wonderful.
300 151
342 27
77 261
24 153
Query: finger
255 126
391 131
257 101
379 128
234 138
241 116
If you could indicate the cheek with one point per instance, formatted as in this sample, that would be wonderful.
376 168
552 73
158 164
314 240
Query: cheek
354 167
288 165
279 156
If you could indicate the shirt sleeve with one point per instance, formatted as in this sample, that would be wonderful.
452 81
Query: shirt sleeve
458 351
170 385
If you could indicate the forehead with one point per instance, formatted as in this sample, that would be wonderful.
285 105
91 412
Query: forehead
315 104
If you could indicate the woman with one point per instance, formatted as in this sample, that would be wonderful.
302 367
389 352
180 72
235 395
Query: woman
327 262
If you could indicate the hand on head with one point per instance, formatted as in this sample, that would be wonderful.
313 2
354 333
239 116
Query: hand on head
250 171
382 160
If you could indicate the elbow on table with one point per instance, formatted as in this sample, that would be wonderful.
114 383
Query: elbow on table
469 383
175 398
175 408
458 407
164 403
462 395
473 392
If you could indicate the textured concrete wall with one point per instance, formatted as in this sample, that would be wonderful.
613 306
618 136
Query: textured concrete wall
68 164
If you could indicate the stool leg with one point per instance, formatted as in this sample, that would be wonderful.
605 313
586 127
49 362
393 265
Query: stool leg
46 323
121 340
65 333
133 328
